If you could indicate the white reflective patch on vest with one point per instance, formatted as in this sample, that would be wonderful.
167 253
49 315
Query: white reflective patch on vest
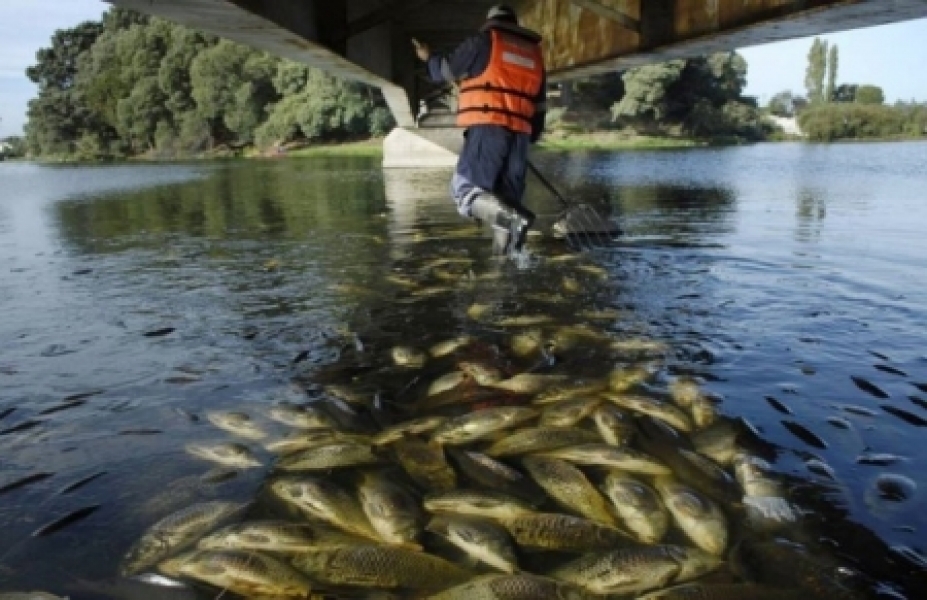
521 61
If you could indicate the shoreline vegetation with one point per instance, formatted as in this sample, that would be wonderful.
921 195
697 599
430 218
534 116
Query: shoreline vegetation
594 141
136 88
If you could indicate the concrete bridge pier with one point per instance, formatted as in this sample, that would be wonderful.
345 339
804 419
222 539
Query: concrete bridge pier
418 147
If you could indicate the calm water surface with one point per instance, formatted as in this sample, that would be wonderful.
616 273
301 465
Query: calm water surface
789 278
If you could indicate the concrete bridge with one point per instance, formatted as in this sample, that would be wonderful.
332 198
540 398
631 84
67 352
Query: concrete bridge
368 40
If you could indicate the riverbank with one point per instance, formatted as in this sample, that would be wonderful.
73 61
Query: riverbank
556 142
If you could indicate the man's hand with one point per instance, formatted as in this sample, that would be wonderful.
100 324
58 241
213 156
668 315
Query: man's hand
421 50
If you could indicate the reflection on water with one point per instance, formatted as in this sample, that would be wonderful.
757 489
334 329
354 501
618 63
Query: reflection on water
136 299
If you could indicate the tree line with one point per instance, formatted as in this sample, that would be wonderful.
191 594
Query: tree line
699 97
131 84
846 111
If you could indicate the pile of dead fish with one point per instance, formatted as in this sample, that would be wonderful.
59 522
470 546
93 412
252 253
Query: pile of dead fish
500 486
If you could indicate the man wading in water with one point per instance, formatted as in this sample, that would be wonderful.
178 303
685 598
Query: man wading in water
502 105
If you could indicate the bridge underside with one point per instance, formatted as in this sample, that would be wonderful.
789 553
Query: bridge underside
368 40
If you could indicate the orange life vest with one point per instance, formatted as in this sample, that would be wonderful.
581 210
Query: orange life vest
504 93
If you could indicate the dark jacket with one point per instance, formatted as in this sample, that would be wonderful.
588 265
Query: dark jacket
471 58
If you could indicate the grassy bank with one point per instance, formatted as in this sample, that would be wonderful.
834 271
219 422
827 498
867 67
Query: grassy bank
612 140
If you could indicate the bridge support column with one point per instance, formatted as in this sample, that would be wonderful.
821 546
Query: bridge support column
416 147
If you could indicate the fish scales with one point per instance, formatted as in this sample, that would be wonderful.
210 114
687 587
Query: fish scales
522 586
554 531
570 488
246 573
538 439
380 567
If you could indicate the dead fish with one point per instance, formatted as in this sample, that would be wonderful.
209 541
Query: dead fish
237 423
329 456
878 459
718 441
380 567
394 513
684 391
570 488
278 536
635 570
492 474
624 378
805 434
24 481
301 417
891 369
59 407
482 373
480 424
602 455
524 320
80 483
302 439
568 413
612 425
862 411
159 332
326 501
566 533
638 506
698 517
425 463
246 573
23 426
447 382
778 405
904 415
664 411
450 346
61 523
704 412
408 357
522 586
177 532
400 430
869 387
539 439
755 476
229 454
526 342
560 393
490 505
483 540
478 310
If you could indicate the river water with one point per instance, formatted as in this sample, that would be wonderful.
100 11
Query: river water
789 279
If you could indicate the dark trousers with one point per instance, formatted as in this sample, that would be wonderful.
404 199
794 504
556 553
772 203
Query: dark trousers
494 160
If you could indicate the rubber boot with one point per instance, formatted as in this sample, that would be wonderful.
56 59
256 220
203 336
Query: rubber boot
509 225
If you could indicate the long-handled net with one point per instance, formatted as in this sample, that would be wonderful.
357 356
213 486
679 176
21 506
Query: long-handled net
582 225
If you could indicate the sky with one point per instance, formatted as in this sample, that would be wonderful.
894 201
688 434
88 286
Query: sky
890 56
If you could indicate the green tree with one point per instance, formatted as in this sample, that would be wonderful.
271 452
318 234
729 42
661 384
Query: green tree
232 86
646 95
846 92
833 63
317 107
782 104
58 115
816 71
870 94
